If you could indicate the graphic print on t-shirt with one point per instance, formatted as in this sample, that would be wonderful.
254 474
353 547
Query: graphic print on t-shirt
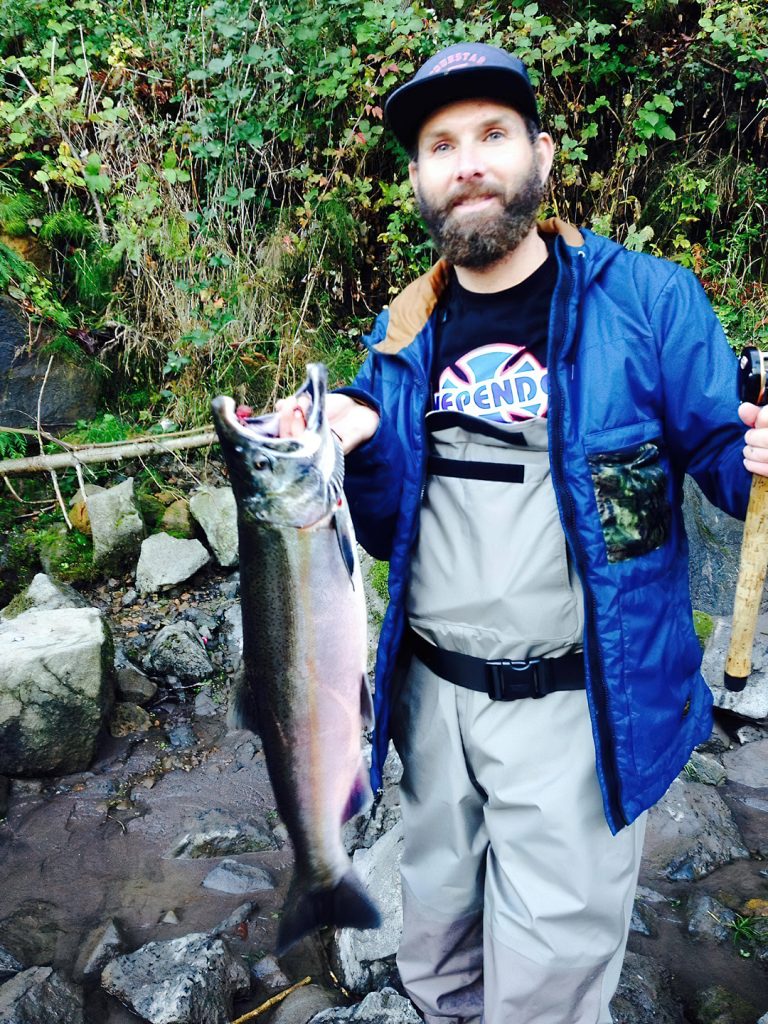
500 382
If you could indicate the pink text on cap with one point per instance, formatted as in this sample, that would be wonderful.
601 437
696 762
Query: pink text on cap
454 61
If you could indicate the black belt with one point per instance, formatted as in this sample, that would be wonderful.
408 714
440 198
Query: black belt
501 679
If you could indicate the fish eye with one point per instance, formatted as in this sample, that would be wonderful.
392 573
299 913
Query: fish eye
259 462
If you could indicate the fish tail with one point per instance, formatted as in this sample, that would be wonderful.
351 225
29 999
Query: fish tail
346 905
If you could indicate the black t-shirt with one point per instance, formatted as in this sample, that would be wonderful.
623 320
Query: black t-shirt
491 349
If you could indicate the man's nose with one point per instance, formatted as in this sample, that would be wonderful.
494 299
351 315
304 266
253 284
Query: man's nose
469 163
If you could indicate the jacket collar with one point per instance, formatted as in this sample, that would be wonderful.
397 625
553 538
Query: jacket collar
411 309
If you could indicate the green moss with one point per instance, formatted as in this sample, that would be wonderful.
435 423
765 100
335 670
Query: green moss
66 555
19 561
704 625
379 576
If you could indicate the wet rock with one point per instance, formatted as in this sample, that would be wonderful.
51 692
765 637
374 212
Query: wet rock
55 689
645 994
9 965
303 1005
719 1005
752 701
708 919
177 520
127 719
749 734
691 832
230 588
32 932
100 947
165 561
705 768
131 683
215 510
43 593
267 972
5 792
41 994
233 877
224 841
236 919
233 625
748 765
718 742
190 980
205 706
644 920
363 959
182 736
177 650
385 1007
116 526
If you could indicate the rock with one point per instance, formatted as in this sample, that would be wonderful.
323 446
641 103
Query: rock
236 919
365 829
190 980
749 734
55 690
32 932
9 965
706 769
385 1007
169 917
267 972
375 604
233 877
129 598
177 520
748 765
182 736
5 792
41 994
645 994
100 947
690 832
718 742
215 510
116 526
127 719
43 593
205 706
714 540
752 701
363 959
719 1005
708 919
165 561
303 1005
224 841
177 650
644 920
233 624
132 684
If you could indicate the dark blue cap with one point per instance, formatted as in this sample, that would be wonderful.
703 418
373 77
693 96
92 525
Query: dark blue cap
460 72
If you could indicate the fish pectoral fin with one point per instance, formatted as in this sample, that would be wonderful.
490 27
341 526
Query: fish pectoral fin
346 905
346 544
366 703
360 796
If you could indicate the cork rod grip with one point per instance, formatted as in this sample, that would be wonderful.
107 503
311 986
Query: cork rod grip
749 586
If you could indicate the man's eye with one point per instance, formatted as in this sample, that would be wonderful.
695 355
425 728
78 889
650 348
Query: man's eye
495 134
441 147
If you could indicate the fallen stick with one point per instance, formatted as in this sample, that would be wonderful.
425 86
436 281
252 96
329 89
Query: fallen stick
271 1002
113 453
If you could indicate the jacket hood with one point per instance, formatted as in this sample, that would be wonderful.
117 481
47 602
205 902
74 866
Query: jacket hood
412 308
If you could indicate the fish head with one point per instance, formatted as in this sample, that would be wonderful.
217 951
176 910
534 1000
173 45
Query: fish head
288 481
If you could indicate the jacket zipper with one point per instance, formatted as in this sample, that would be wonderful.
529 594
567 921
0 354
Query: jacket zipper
561 326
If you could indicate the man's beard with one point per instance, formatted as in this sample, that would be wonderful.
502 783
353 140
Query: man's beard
477 241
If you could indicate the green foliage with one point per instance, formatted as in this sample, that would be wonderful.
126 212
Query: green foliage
105 429
12 444
16 211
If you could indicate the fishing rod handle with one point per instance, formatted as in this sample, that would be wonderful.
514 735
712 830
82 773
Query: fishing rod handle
749 586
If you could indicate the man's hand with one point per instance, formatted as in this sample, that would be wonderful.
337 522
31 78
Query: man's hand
351 421
756 438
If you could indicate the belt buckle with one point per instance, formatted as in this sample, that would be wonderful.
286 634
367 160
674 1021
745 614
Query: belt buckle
499 682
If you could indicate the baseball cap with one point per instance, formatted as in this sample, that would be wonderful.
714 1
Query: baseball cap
460 72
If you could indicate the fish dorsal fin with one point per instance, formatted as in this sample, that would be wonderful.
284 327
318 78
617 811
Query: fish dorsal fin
366 703
344 537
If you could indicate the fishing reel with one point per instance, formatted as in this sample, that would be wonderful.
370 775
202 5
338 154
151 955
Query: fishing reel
752 372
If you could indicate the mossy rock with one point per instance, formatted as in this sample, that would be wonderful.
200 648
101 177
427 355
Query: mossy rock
19 561
704 625
67 555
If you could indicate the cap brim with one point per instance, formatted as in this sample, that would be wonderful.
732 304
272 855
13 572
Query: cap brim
411 104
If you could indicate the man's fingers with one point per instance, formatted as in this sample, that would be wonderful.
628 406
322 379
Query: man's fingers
291 416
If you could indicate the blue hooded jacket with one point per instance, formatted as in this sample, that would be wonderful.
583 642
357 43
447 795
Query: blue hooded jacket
642 389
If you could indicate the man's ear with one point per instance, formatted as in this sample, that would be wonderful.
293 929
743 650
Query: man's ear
413 174
545 150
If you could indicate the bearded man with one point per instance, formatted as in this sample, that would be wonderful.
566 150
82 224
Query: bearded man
516 441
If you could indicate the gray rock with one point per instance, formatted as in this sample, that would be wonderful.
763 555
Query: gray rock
238 917
215 510
268 973
752 701
32 931
365 829
233 625
182 736
303 1005
233 877
748 765
5 792
165 561
190 980
719 1005
714 540
364 958
690 832
644 920
705 768
134 685
177 650
763 1019
224 841
43 593
707 918
717 743
750 734
129 598
55 690
385 1007
645 994
116 526
127 719
41 994
205 706
9 965
100 947
375 604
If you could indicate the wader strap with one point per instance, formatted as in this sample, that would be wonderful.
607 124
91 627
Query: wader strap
467 469
501 679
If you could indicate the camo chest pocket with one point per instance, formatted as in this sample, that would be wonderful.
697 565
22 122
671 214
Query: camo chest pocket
632 494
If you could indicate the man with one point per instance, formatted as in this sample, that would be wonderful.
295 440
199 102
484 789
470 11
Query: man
516 443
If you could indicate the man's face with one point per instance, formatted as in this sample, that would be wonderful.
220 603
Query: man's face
479 180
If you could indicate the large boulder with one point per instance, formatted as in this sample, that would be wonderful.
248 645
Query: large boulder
165 561
752 701
215 510
177 650
714 541
43 593
190 980
41 994
645 994
385 1007
55 689
116 526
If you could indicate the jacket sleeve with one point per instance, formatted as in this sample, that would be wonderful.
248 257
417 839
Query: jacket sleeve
701 399
373 474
